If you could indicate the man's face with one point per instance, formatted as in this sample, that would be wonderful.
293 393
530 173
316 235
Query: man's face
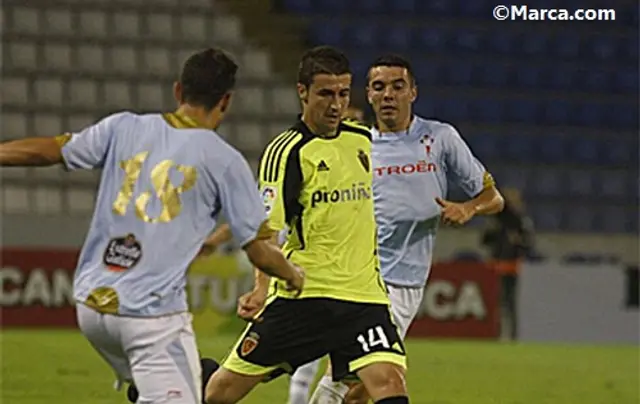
391 92
326 100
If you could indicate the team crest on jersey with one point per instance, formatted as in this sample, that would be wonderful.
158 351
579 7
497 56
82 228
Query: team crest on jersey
122 253
427 141
269 195
364 160
249 343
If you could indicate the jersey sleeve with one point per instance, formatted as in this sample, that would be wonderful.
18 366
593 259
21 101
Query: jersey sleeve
240 201
465 169
88 148
280 180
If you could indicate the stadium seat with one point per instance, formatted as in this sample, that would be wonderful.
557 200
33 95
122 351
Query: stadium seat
332 6
47 123
14 125
626 80
22 55
91 58
402 6
455 109
561 79
581 219
193 27
58 57
369 6
148 95
468 41
580 183
557 112
631 51
251 100
534 44
159 26
459 74
613 184
614 219
547 217
79 201
602 48
297 6
24 20
440 8
524 111
226 29
47 200
397 38
520 148
58 21
567 46
249 136
123 59
15 199
117 94
473 8
432 39
284 100
128 25
255 64
93 24
428 72
501 42
486 146
326 33
529 77
489 111
363 35
619 152
48 92
156 60
586 150
548 182
83 93
494 74
77 122
596 80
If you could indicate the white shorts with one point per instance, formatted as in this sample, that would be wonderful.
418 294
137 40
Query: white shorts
159 355
405 303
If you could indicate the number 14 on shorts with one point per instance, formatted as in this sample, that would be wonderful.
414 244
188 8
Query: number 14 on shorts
375 336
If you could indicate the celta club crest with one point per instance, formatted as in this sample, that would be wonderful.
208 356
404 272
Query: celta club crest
364 160
249 343
427 141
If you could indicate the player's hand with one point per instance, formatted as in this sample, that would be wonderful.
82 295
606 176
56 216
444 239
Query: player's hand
250 304
296 283
454 213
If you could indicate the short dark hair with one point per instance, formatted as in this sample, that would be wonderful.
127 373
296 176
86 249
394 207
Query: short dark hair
207 76
392 60
322 60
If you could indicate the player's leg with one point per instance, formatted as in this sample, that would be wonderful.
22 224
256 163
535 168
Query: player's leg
104 341
288 336
163 356
372 348
301 382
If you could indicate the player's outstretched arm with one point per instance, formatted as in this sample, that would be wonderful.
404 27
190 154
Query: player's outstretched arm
268 258
34 151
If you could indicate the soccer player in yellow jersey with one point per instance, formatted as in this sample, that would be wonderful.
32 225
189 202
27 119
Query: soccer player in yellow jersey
315 180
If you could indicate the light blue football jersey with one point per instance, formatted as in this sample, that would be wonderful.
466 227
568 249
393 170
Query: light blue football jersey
411 169
164 183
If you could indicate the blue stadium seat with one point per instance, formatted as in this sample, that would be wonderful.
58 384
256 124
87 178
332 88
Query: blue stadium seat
547 217
626 80
468 41
455 109
363 36
397 38
596 80
618 152
359 67
331 6
427 71
298 6
402 6
524 111
603 48
613 184
440 8
515 176
520 148
535 44
614 219
501 42
494 75
562 79
529 76
557 112
473 8
548 182
485 146
632 49
552 149
459 74
580 183
567 46
487 110
587 114
326 34
432 40
369 6
581 219
623 115
586 150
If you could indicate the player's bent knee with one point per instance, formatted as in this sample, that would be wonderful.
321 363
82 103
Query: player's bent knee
226 387
383 380
357 394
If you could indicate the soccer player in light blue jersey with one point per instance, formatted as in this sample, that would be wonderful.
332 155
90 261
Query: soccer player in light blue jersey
165 180
413 160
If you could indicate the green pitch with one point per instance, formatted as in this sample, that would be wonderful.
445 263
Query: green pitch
58 367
